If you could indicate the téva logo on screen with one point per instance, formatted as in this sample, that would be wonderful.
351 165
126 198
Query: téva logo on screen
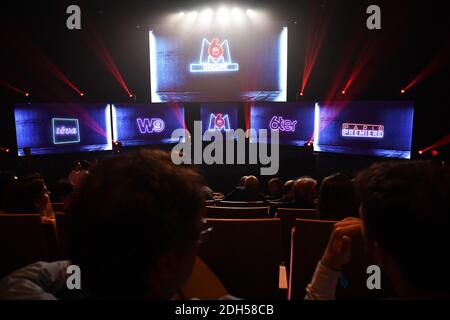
65 131
215 56
153 125
219 122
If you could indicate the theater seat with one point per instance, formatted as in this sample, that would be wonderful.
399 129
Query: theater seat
238 204
24 239
210 203
285 213
246 255
288 217
309 241
61 233
202 284
58 207
237 213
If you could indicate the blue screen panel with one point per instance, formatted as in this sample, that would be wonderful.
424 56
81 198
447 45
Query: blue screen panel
381 129
221 117
216 64
293 121
60 128
145 124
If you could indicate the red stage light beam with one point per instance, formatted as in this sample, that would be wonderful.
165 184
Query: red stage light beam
14 88
437 63
98 46
60 75
442 142
320 22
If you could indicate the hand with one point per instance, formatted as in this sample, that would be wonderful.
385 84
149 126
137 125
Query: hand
218 196
339 250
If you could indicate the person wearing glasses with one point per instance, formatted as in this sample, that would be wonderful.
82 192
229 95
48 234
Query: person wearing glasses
134 230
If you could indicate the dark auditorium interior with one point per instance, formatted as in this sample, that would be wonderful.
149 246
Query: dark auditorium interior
256 150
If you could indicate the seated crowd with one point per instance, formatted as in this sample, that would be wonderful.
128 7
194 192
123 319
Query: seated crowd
400 209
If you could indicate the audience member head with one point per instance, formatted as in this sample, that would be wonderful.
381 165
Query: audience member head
27 195
62 191
252 183
85 165
275 187
305 192
135 225
287 189
6 179
406 216
337 198
76 165
242 181
27 151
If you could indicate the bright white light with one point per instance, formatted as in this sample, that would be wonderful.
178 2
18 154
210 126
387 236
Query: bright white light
181 14
282 76
206 16
192 15
237 15
223 15
250 13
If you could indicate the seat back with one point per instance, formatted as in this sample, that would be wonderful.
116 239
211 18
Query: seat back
239 204
292 214
245 255
62 235
24 239
236 213
309 241
58 206
202 284
210 203
288 217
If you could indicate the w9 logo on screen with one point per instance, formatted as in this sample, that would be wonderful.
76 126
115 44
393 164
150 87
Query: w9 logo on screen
65 131
367 131
219 122
150 125
215 56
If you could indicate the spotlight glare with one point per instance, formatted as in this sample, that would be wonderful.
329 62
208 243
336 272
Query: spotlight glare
301 94
27 94
250 12
402 91
420 152
206 16
82 94
343 92
237 14
181 14
131 96
192 15
223 15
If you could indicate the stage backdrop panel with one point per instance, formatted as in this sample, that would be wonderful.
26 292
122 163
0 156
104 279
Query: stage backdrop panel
382 129
146 124
61 128
216 64
293 121
221 117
